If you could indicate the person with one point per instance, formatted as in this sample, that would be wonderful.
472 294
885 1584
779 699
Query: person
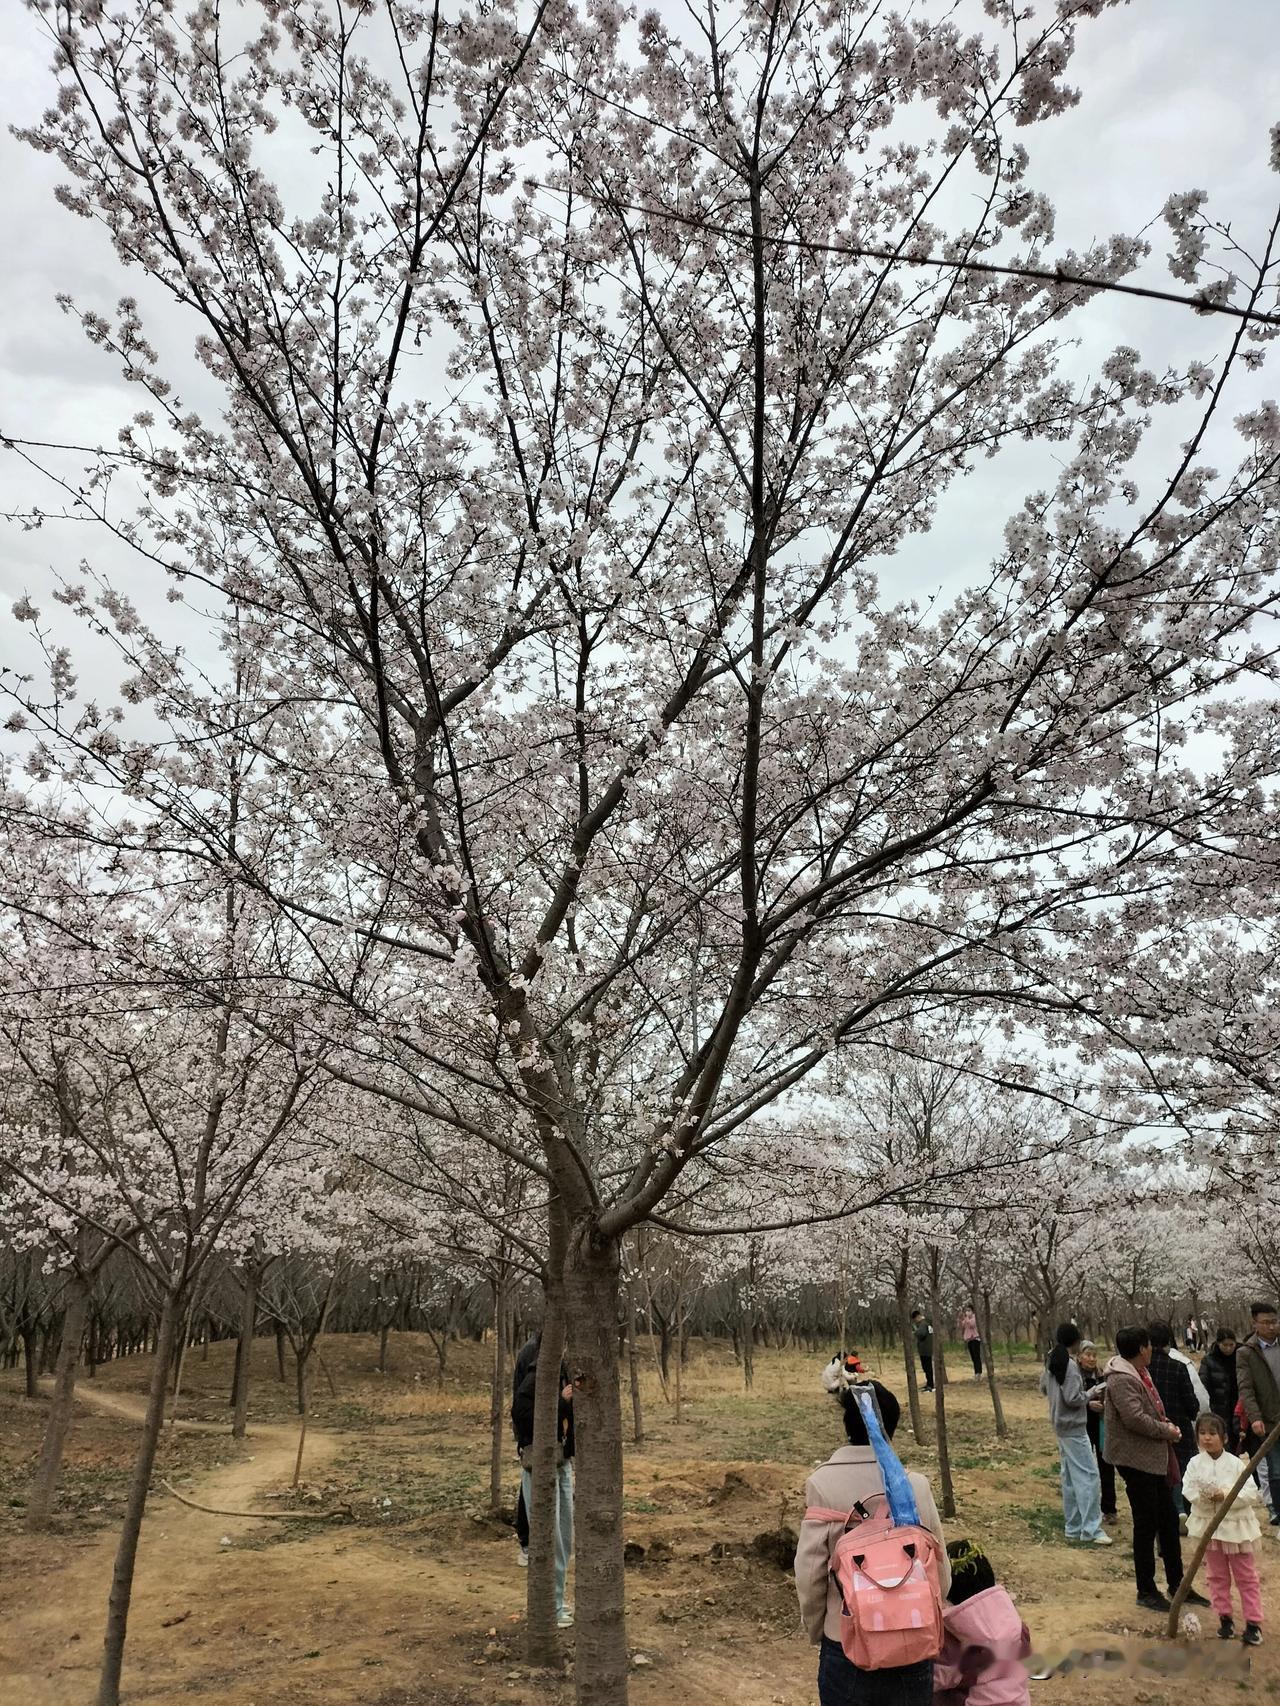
1210 1476
526 1357
1177 1394
1258 1381
985 1639
1190 1335
849 1477
1063 1385
1193 1375
1218 1372
522 1421
924 1345
967 1327
1096 1392
1139 1441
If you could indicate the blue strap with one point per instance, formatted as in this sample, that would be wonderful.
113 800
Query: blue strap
897 1485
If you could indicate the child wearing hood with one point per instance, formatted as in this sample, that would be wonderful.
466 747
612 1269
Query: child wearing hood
985 1640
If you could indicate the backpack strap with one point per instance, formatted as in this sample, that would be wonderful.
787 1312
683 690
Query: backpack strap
828 1513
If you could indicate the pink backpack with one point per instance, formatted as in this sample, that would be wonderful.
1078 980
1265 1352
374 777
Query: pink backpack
890 1589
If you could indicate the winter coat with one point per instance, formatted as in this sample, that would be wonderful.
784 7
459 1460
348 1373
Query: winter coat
526 1356
1240 1527
1178 1395
1197 1385
1068 1403
849 1477
1257 1384
522 1413
967 1325
924 1337
984 1640
1220 1381
1135 1433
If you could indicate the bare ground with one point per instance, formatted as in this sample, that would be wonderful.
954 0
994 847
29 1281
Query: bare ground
418 1601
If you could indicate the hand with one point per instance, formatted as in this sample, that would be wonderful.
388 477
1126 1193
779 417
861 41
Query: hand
567 1393
1217 1495
1173 1431
1096 1406
1259 1428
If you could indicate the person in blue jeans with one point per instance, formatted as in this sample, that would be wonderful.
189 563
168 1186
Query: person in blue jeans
1063 1385
522 1422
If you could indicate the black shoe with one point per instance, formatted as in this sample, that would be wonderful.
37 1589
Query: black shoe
1275 1521
1194 1598
1252 1636
1226 1629
1153 1601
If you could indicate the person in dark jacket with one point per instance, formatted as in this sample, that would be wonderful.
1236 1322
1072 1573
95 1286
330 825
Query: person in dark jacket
1095 1386
1177 1394
923 1329
1221 1382
526 1357
522 1406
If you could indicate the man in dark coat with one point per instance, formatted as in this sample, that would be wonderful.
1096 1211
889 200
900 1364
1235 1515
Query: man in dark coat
1172 1381
526 1358
522 1408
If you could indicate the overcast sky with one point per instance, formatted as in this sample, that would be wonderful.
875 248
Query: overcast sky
1176 94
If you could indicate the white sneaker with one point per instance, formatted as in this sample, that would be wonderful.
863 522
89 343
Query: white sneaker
564 1617
1101 1539
524 1557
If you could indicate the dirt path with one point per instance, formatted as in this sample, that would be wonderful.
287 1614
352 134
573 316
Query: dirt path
48 1664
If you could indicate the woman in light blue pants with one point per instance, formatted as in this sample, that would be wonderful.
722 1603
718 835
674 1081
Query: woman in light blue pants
1063 1385
564 1527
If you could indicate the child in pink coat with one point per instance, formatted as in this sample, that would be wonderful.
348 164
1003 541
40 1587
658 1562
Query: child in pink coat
984 1641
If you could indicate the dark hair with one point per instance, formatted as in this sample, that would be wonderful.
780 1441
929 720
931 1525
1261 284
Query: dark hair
1225 1333
971 1571
1256 1309
854 1425
914 1313
1068 1334
1130 1340
1161 1335
1208 1423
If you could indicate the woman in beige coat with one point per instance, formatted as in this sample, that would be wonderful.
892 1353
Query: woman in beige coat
852 1475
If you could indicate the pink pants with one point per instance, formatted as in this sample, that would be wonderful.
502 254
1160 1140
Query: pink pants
1220 1567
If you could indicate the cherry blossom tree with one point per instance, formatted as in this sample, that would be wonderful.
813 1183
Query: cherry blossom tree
616 787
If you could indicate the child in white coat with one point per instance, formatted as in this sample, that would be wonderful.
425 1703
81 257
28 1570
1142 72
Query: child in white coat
1209 1477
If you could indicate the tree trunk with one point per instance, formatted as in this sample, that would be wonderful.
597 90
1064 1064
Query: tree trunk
244 1352
633 1370
384 1333
45 1481
497 1404
135 1505
280 1350
989 1358
591 1309
29 1361
908 1336
543 1647
939 1389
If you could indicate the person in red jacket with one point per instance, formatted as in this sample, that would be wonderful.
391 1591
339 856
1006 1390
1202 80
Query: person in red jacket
985 1640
